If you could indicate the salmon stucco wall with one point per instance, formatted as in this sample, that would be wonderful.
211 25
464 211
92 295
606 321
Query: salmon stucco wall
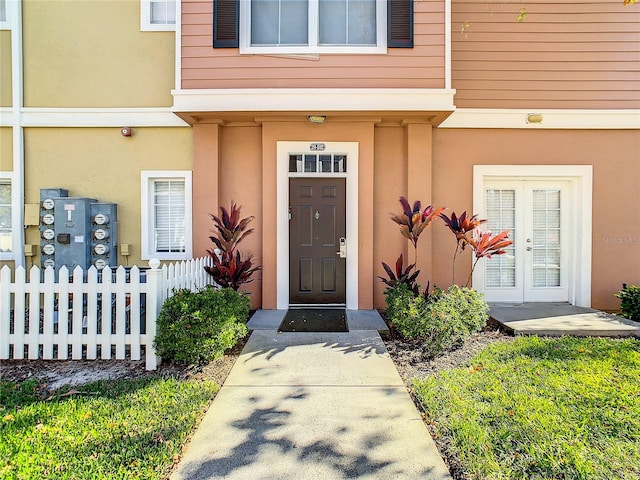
100 163
93 54
5 69
616 175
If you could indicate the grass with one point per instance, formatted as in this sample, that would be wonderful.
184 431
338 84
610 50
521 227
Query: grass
540 408
109 429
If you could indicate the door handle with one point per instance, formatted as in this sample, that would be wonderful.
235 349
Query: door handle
343 248
529 249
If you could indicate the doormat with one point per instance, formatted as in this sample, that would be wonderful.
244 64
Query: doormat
314 320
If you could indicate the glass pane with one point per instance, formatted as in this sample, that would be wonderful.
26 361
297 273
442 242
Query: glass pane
310 163
295 163
500 207
340 163
265 22
294 22
169 218
362 22
553 277
333 22
163 12
325 163
279 22
5 217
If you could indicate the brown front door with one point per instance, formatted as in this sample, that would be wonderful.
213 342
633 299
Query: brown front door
316 272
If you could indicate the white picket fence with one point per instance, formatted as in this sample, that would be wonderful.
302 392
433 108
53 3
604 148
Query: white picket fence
88 315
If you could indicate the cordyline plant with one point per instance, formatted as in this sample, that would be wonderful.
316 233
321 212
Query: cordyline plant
413 221
460 226
230 269
401 275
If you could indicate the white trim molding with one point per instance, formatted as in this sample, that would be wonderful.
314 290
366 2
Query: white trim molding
351 149
581 179
100 117
544 119
316 99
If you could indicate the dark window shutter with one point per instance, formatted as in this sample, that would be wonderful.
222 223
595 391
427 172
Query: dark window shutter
225 23
400 23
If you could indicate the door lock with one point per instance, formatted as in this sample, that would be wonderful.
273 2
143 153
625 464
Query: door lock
343 248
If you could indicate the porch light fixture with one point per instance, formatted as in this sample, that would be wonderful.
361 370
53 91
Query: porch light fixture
534 118
317 118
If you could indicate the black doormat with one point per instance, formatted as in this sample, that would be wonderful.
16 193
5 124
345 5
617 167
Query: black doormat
314 320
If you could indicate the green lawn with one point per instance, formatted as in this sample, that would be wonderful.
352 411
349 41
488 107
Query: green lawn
538 408
103 430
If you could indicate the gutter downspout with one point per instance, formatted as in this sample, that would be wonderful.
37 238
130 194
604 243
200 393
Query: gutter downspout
17 184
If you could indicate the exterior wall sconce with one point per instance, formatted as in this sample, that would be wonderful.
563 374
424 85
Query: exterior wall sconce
126 131
534 118
317 118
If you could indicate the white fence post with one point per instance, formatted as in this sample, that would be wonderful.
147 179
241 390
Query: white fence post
5 311
155 297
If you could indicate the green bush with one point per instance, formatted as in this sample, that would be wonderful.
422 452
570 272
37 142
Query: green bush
196 327
630 302
441 320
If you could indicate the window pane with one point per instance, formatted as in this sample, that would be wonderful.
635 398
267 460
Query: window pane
279 22
163 12
170 215
310 163
340 163
325 163
5 217
362 22
347 22
3 11
333 22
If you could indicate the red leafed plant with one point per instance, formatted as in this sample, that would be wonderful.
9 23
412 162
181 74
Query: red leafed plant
460 226
484 245
230 269
413 221
401 275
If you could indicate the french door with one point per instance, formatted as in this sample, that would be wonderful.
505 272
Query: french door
536 266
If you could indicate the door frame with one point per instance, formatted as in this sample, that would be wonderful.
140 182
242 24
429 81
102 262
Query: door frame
283 149
580 178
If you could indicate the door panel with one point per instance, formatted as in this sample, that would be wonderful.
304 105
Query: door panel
535 267
317 274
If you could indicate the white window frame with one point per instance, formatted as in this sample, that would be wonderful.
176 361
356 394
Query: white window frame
145 19
313 47
148 178
7 178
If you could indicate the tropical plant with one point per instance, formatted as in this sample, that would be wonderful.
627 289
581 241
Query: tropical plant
230 269
401 275
460 226
413 221
485 246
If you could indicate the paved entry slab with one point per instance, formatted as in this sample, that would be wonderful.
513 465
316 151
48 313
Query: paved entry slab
312 406
555 319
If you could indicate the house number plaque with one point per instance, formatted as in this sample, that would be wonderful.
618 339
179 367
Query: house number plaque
317 147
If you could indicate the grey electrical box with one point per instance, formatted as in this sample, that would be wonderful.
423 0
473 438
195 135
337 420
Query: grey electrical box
73 228
104 235
77 231
47 224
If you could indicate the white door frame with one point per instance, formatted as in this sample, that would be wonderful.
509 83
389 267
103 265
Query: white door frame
580 178
283 149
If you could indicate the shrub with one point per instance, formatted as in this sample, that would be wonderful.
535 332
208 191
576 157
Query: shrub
196 327
441 320
630 302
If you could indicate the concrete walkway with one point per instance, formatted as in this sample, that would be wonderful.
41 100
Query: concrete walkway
555 319
312 406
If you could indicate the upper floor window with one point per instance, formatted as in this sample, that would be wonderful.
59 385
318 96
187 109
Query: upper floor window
157 15
312 26
3 10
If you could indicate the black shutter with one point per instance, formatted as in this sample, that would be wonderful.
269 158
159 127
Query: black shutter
225 23
400 23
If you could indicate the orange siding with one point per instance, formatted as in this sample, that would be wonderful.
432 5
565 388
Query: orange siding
565 54
205 67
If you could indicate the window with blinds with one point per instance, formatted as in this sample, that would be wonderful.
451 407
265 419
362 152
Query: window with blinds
157 15
169 215
500 270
